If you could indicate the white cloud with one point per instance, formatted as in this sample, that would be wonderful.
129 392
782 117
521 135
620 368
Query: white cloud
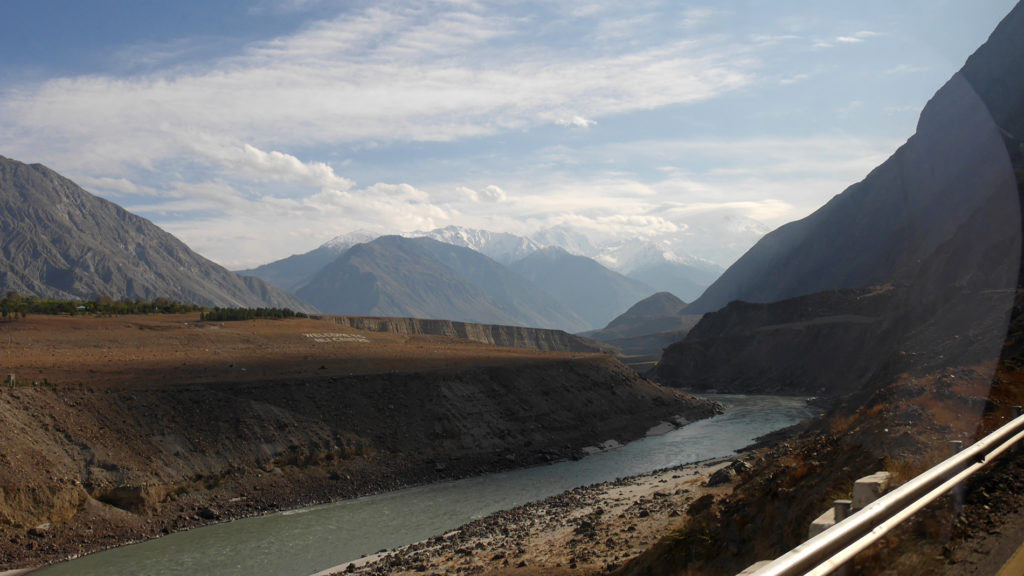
252 148
856 38
576 121
719 197
284 6
280 166
493 193
906 109
379 75
488 194
769 209
786 81
772 39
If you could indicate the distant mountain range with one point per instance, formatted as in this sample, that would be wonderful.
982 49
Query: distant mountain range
500 246
581 284
424 278
59 241
653 263
523 281
294 272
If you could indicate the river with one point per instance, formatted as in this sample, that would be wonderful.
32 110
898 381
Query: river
304 541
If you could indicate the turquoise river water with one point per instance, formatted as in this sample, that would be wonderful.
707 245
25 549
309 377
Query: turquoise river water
304 541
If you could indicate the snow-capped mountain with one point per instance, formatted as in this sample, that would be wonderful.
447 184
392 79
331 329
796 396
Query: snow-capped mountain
658 263
500 246
340 244
569 239
625 256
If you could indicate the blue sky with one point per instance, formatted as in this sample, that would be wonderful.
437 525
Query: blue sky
255 129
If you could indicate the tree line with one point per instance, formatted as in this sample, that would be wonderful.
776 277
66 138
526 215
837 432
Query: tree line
227 314
15 305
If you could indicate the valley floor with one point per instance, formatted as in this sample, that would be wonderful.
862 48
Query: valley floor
121 429
586 530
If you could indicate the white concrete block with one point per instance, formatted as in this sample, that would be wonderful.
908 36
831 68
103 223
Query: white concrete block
822 523
869 488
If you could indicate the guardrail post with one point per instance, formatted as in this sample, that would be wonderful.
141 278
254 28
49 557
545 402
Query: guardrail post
957 493
841 510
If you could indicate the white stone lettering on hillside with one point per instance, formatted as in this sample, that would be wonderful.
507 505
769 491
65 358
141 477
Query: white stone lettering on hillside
330 337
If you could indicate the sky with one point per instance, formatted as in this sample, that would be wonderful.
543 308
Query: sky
257 129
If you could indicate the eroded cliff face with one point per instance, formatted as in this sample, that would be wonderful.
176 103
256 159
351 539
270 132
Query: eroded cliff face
106 463
509 336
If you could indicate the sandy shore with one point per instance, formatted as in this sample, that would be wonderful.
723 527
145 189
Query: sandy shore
583 530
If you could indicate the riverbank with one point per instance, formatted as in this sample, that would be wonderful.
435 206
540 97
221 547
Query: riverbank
585 530
123 429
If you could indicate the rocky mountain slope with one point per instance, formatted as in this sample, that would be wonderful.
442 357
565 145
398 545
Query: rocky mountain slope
643 331
656 313
424 278
834 344
938 226
612 265
295 271
581 285
883 228
650 262
946 364
59 241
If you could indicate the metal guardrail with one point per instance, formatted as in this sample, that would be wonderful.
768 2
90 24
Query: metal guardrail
834 547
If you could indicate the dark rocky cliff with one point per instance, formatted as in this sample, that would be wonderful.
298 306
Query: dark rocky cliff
939 223
938 383
883 228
